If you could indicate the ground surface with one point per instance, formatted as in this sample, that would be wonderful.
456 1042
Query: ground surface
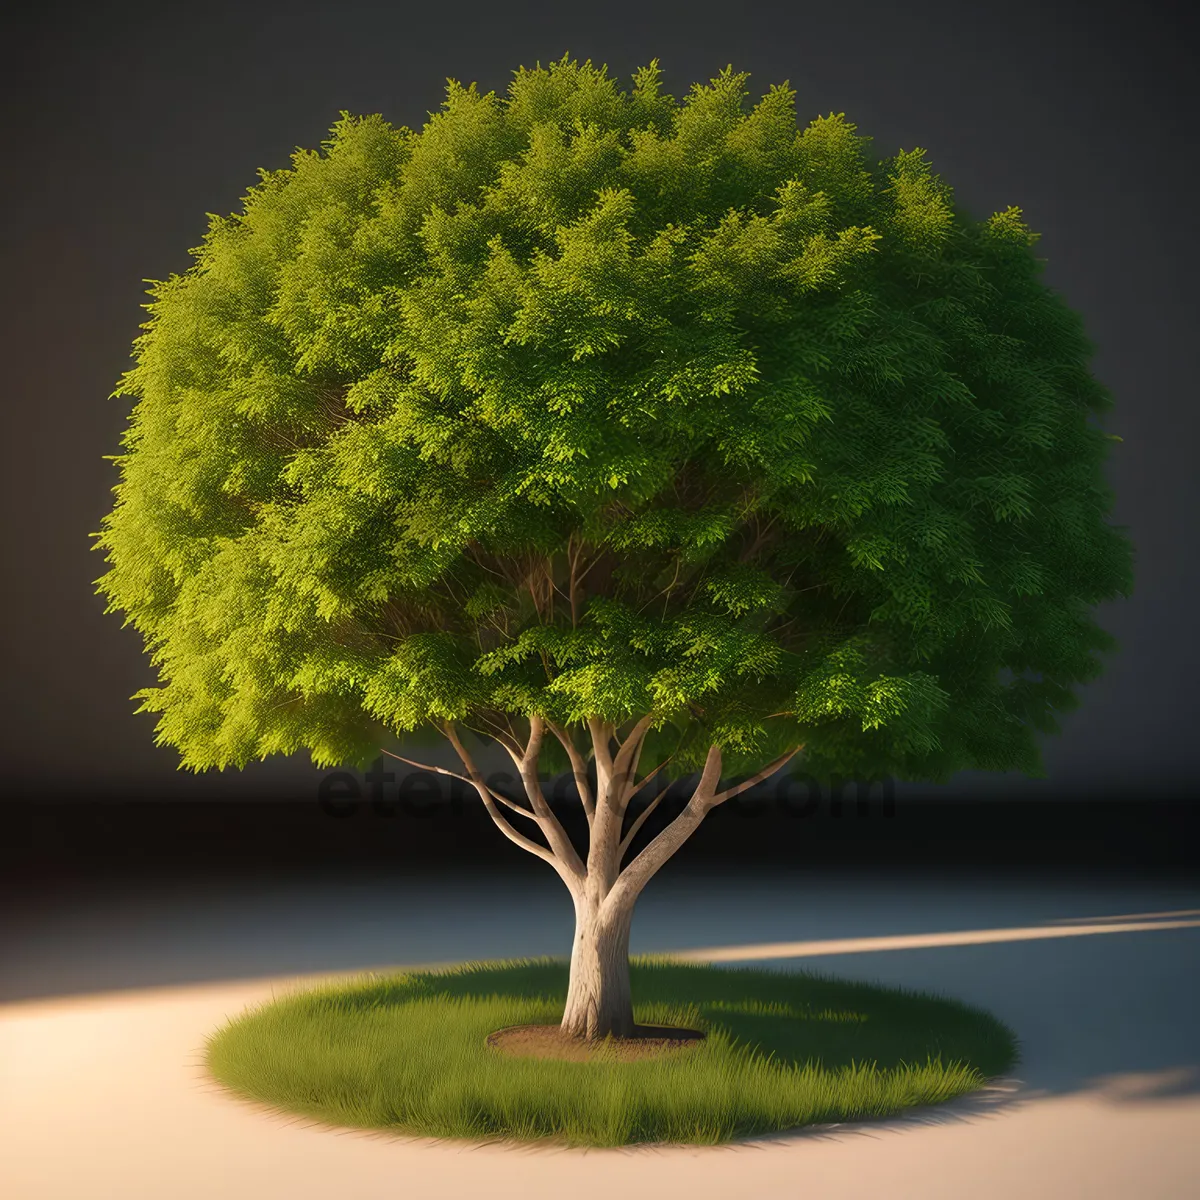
549 1041
105 1000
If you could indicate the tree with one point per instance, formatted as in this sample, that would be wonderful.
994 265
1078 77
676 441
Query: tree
619 431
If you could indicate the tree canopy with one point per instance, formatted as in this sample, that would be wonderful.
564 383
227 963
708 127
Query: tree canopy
587 403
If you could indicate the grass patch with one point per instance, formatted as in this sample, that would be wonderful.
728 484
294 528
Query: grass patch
407 1053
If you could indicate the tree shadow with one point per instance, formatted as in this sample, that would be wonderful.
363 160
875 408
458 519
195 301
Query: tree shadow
1112 1016
794 1019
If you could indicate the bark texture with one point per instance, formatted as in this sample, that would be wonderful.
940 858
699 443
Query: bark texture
599 1001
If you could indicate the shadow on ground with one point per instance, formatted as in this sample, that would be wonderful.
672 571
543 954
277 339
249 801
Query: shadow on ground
1112 1015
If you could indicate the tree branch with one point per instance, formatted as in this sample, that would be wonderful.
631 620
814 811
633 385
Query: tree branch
601 736
455 775
525 758
550 824
639 872
666 591
760 537
625 763
642 817
765 773
638 787
573 559
564 870
578 769
507 740
705 798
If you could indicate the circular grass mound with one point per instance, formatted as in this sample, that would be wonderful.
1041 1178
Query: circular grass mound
409 1053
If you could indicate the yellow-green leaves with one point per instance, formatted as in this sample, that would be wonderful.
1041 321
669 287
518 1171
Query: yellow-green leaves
833 160
584 299
1009 226
741 588
585 401
796 244
426 677
922 204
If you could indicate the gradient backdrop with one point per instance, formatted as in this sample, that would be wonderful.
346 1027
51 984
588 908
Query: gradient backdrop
127 123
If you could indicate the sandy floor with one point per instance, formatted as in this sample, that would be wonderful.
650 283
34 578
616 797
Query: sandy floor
102 1095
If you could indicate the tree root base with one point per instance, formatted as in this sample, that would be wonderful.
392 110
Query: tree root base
550 1041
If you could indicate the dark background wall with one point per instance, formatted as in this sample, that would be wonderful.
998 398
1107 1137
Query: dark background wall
127 123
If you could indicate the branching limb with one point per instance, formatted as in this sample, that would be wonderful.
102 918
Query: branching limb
602 733
573 558
506 738
455 775
550 824
578 769
705 798
603 865
586 570
564 870
626 761
639 872
765 773
666 591
642 817
637 787
640 820
760 537
471 551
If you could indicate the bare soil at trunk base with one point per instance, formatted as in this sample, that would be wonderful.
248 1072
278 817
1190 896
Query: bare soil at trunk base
550 1041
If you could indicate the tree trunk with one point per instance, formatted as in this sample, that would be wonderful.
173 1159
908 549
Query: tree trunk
599 1002
598 996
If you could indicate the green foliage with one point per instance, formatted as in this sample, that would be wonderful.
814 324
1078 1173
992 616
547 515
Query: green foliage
813 444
